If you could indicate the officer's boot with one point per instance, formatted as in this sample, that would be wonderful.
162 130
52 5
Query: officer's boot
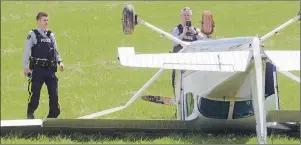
30 111
30 115
54 109
53 114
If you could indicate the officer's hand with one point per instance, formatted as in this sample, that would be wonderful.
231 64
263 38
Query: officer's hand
27 71
191 30
185 30
61 66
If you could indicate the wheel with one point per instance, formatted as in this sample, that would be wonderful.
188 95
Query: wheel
128 19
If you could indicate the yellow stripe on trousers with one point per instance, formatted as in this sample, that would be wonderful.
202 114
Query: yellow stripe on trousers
29 89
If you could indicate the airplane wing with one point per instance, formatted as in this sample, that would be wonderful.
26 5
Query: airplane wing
285 60
204 61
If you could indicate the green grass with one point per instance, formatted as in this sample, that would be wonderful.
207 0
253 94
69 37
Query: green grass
88 35
79 138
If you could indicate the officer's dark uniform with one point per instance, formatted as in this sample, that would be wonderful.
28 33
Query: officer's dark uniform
189 37
43 63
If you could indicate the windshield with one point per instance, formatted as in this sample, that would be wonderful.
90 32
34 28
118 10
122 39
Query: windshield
219 109
214 109
243 109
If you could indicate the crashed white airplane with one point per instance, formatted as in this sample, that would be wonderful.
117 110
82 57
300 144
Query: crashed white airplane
221 84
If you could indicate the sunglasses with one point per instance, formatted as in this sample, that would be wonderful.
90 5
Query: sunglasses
186 9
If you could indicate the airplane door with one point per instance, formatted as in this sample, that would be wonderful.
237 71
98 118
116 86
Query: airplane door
186 101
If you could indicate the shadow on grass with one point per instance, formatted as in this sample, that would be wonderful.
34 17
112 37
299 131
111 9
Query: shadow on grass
187 138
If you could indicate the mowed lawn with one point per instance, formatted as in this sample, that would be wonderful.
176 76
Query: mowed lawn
88 35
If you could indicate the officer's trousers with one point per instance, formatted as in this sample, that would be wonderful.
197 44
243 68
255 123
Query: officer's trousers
39 77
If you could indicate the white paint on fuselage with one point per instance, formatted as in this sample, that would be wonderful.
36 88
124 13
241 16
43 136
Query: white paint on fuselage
201 83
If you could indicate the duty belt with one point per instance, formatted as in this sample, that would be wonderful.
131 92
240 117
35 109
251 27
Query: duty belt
42 62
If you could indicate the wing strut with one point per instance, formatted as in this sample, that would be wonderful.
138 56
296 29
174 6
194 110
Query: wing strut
258 93
135 97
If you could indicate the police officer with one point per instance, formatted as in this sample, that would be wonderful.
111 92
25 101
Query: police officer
42 66
186 32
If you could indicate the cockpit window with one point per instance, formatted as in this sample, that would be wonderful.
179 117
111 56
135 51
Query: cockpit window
214 109
243 109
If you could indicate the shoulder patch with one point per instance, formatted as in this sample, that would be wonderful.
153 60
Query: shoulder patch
28 36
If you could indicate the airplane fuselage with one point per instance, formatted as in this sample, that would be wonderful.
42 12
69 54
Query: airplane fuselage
222 99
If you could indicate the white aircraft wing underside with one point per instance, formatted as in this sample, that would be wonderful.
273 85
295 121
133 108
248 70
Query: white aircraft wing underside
285 60
204 61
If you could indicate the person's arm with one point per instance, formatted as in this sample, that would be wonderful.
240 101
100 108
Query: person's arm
175 32
58 57
200 35
29 43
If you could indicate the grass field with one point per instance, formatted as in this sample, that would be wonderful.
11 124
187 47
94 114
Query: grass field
88 35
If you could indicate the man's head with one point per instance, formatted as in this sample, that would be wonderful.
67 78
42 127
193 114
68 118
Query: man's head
42 19
186 14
